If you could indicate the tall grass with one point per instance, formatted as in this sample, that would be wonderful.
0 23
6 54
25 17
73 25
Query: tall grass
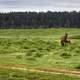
39 47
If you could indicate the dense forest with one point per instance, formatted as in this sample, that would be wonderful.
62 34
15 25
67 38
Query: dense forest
40 19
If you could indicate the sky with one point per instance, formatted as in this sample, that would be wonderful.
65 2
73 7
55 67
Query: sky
39 5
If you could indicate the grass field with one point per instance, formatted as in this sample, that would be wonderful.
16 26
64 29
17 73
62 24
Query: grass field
40 48
9 74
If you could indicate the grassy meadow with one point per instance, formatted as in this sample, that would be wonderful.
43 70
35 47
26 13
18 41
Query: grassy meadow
8 74
39 48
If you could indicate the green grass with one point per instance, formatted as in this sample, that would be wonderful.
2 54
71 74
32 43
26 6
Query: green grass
8 74
37 32
39 52
40 48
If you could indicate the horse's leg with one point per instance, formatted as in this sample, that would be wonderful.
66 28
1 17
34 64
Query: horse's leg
62 43
67 42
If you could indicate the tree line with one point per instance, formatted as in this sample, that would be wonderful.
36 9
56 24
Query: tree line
40 19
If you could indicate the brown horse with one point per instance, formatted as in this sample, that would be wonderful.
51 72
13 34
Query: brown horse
65 40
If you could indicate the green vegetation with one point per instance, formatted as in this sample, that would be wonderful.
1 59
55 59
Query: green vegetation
8 74
40 48
38 52
32 20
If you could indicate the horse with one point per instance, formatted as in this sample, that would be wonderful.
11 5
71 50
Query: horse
65 40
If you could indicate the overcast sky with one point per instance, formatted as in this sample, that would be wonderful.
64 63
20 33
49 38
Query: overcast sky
39 5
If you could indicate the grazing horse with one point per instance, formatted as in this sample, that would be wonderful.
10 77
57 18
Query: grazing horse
65 40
